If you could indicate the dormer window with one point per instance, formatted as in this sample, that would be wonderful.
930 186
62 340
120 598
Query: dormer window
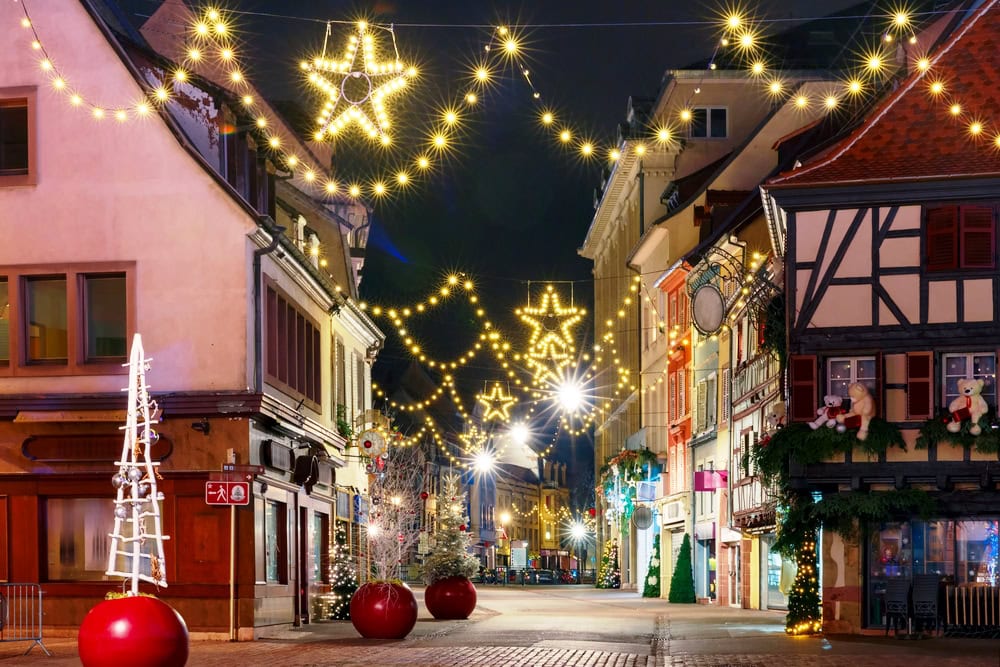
709 123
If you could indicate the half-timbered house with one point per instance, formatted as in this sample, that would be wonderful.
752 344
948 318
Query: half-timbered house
890 248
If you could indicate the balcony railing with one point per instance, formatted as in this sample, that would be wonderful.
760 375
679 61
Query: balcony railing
753 374
753 503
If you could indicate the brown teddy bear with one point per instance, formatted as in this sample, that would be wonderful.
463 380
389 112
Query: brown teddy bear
861 412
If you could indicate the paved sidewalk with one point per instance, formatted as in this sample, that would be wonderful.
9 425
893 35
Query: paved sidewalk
567 627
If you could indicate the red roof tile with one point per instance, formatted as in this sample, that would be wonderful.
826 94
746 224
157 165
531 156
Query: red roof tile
912 135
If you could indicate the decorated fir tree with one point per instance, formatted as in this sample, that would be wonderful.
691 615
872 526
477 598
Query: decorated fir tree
450 556
343 579
609 575
804 615
682 581
652 589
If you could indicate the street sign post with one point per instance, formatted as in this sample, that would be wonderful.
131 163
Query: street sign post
227 493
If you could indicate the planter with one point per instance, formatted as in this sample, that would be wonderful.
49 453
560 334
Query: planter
382 610
135 630
450 598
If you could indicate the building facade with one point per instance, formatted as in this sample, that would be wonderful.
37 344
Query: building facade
180 232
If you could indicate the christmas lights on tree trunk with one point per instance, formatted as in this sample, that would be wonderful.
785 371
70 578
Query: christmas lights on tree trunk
343 580
609 575
804 614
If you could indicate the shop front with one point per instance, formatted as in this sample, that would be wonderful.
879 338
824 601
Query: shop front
964 553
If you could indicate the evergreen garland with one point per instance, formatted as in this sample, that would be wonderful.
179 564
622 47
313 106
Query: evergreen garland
343 580
682 580
935 430
804 615
652 588
773 334
609 576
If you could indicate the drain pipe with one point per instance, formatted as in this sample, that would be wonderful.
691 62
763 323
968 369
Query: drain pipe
258 354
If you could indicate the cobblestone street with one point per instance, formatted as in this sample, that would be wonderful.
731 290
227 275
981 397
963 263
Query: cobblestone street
568 627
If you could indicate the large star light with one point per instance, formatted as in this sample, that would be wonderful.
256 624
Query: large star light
552 343
356 87
497 404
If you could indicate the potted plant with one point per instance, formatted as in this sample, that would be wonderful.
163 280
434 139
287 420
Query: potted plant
450 594
384 607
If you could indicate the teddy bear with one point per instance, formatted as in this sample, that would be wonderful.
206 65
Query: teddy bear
969 405
828 412
860 413
774 419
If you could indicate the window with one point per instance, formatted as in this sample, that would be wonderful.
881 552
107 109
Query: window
842 372
293 357
14 137
45 327
4 322
978 365
340 378
17 136
960 237
359 384
275 561
75 321
77 542
105 324
320 547
708 122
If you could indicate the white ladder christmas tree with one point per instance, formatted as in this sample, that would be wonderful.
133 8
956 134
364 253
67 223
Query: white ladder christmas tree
138 501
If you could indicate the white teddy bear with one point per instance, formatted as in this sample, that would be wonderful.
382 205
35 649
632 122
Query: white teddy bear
969 405
827 413
861 412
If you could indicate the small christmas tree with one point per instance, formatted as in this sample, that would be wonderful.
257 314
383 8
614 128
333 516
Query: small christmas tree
804 615
609 575
682 581
652 589
343 579
450 557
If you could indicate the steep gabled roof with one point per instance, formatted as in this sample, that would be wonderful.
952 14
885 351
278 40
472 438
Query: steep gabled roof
911 135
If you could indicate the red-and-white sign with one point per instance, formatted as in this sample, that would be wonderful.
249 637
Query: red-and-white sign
227 493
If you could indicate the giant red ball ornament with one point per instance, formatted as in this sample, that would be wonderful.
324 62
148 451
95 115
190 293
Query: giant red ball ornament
450 598
383 610
133 630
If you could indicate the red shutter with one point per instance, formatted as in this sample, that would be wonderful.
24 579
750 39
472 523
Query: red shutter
942 238
919 385
977 237
804 395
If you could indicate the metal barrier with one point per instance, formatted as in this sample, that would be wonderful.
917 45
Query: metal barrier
21 615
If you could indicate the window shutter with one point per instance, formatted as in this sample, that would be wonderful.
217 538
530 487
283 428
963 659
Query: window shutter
726 403
682 393
942 238
701 407
919 385
802 379
672 398
977 237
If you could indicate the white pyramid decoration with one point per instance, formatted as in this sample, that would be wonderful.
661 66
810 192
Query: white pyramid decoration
137 507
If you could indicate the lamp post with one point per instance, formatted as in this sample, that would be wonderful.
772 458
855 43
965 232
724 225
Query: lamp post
578 533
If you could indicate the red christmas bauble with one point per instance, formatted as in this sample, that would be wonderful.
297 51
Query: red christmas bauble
424 494
367 444
450 598
126 630
382 610
592 512
462 528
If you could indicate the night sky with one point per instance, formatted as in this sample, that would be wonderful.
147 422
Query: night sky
510 205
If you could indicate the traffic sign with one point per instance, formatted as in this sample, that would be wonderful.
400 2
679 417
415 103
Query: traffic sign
239 467
227 493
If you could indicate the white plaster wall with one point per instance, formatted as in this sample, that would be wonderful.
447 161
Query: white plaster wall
844 306
110 191
978 300
941 306
905 292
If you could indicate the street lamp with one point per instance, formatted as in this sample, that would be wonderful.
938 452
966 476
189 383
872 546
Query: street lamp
578 536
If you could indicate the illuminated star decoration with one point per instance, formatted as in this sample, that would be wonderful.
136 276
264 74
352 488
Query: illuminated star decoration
474 439
497 404
355 92
551 346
